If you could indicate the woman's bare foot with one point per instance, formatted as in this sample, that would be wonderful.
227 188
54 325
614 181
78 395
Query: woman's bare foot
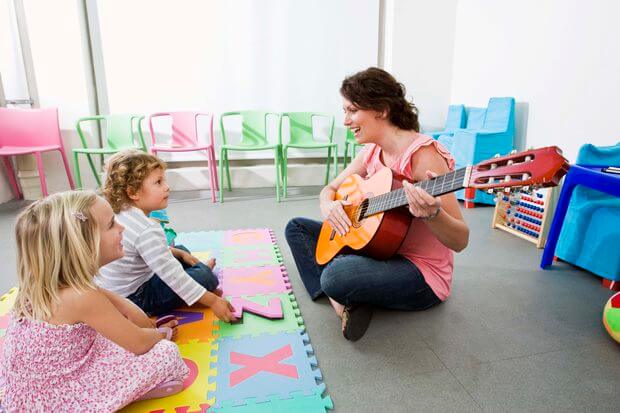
339 308
211 263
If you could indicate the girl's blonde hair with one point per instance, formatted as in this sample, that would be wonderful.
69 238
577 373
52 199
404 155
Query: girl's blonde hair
125 173
57 247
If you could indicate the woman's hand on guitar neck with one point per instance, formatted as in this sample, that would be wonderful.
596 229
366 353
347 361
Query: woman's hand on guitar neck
333 212
421 203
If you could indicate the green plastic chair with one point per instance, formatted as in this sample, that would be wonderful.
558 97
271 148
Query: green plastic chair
253 138
349 140
302 137
119 135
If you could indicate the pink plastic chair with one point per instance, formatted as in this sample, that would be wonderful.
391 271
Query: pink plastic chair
185 139
30 131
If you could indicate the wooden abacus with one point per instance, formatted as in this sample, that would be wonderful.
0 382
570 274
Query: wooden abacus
526 214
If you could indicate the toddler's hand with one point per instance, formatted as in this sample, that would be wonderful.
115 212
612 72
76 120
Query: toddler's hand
223 310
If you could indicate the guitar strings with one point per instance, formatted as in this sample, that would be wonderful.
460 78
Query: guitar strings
397 197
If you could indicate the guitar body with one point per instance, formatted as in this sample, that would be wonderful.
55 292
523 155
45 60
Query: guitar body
380 223
378 236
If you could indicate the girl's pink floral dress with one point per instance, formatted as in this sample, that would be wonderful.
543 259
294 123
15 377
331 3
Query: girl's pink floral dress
60 368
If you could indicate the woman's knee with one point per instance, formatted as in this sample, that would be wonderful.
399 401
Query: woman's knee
333 284
293 229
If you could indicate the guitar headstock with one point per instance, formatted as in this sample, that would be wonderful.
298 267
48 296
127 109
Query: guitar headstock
532 168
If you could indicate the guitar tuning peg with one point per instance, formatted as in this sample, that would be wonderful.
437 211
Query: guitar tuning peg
490 191
496 155
512 152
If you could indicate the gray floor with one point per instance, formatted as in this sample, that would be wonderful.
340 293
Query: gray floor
510 338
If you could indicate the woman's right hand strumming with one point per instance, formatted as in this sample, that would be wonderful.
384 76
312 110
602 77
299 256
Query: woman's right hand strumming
333 212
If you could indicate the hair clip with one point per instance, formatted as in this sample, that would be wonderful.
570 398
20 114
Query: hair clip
79 216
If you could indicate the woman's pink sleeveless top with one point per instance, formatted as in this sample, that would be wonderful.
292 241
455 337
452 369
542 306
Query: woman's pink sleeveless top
420 246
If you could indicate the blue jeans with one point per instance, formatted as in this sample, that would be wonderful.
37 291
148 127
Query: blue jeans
155 297
395 283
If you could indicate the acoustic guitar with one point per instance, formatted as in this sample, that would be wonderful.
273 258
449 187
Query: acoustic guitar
380 220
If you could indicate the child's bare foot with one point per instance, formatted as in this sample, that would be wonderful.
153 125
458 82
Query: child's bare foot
172 324
211 263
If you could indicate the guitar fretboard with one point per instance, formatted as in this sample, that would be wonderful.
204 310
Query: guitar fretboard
443 184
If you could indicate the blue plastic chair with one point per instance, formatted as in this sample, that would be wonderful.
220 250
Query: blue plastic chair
475 117
495 136
455 120
586 225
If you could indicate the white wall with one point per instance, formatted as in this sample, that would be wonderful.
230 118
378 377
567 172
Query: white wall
13 79
421 34
219 56
560 57
60 72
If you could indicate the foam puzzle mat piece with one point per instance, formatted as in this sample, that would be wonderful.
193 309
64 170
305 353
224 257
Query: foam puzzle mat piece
193 398
264 366
201 240
256 255
298 403
205 256
254 280
248 237
254 325
273 309
195 325
7 300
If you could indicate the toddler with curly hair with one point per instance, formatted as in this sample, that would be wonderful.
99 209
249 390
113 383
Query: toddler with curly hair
156 277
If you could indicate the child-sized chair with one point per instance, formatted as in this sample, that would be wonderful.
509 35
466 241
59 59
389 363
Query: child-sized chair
185 139
302 137
253 138
586 225
30 131
120 134
455 120
349 141
495 136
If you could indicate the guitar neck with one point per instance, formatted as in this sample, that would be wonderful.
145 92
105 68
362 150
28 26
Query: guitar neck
440 185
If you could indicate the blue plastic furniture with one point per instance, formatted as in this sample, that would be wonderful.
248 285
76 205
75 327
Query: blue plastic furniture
455 120
586 225
475 117
495 136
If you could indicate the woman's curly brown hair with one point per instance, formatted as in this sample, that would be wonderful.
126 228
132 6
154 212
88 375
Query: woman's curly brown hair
376 89
125 173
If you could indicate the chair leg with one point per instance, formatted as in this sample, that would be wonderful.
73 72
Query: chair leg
228 171
212 175
76 168
222 160
214 169
12 180
335 161
277 164
346 152
558 219
37 156
94 169
67 169
284 161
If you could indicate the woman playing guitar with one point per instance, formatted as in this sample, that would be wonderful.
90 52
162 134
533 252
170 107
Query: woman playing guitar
419 276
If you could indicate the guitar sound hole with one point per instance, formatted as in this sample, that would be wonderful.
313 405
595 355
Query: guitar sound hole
360 214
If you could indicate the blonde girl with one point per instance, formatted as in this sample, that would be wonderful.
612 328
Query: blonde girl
70 345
